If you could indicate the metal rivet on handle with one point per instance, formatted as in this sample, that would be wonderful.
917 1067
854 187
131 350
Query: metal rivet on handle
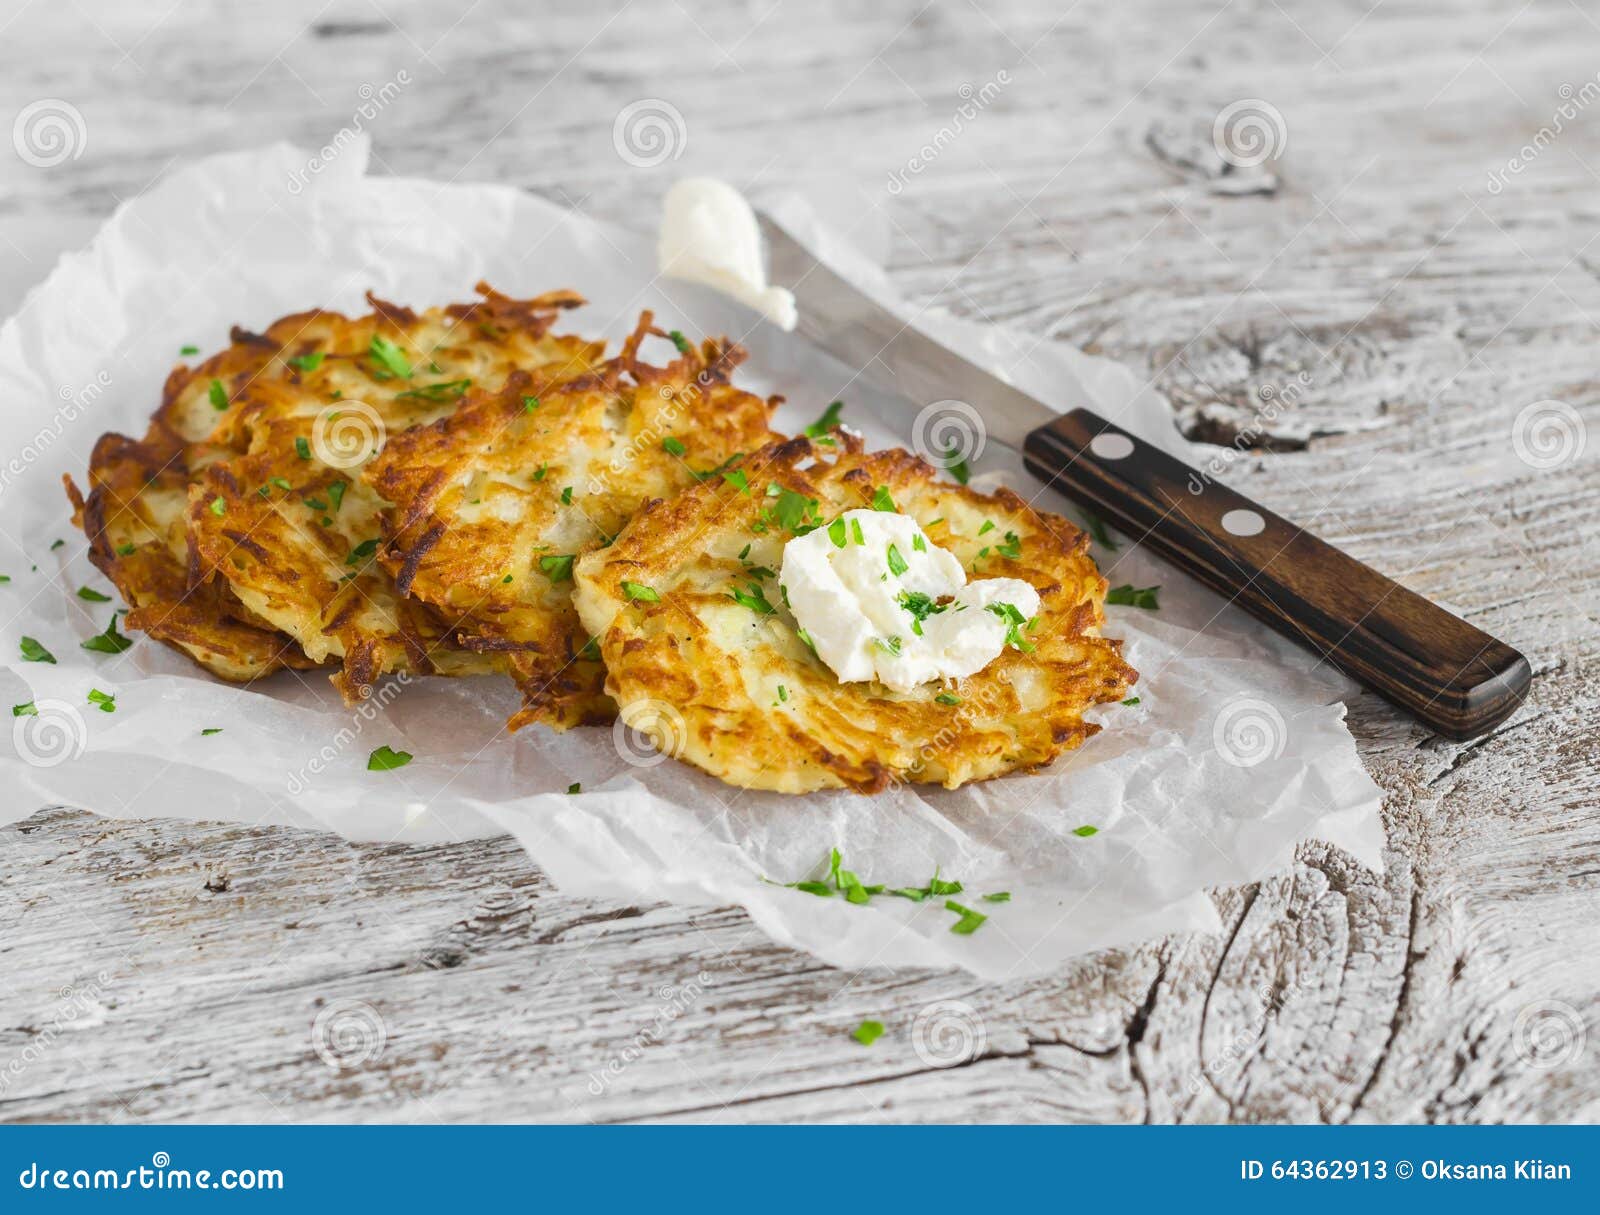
1243 523
1111 446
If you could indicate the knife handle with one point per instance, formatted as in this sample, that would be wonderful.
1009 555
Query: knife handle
1453 677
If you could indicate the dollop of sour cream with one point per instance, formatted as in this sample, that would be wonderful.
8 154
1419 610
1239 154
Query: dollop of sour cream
879 600
709 235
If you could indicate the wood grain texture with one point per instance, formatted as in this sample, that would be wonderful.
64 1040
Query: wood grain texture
1397 315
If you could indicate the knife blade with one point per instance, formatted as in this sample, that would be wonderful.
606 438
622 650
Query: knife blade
1447 673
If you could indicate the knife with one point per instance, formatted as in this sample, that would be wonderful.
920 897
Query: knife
1451 676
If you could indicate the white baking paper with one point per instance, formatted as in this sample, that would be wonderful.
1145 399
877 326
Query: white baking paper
1235 751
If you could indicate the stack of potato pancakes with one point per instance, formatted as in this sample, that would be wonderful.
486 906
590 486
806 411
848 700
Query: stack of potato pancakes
465 491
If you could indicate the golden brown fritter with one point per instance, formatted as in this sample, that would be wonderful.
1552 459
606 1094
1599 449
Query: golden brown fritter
493 504
289 523
133 516
729 685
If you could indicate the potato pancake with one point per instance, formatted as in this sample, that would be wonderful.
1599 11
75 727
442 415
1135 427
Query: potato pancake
703 656
133 517
286 519
495 503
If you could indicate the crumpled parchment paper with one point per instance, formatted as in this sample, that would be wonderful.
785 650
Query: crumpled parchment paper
1235 751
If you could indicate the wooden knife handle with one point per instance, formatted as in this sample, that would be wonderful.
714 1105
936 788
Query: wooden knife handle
1455 678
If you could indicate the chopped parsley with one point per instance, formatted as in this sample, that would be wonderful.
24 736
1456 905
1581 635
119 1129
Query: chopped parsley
307 362
868 1032
682 343
753 598
90 595
988 526
108 642
672 446
574 787
385 759
783 693
362 551
540 472
855 532
738 480
529 404
947 698
1085 831
836 532
390 357
805 637
1012 548
126 550
557 568
956 465
641 593
1131 701
336 493
829 419
313 503
1097 529
282 483
219 396
302 448
897 563
938 886
712 472
1015 623
1132 596
918 544
566 496
921 606
57 545
188 350
210 730
999 896
796 513
450 390
891 644
29 709
970 920
106 700
882 499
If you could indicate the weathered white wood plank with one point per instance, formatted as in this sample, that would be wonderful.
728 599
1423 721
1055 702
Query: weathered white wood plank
1395 313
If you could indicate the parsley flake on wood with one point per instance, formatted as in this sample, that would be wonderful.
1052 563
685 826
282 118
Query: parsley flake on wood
385 759
868 1032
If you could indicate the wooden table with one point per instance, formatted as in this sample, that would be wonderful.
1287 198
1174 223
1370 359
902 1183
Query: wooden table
1401 311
